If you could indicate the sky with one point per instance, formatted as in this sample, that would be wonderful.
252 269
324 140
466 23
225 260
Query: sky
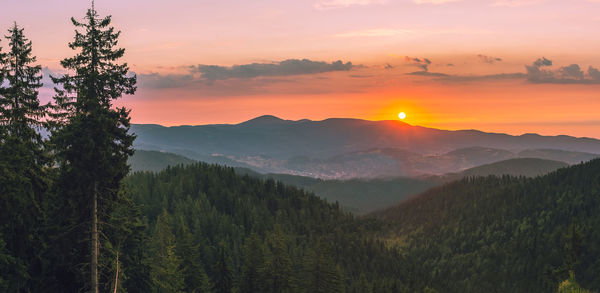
510 66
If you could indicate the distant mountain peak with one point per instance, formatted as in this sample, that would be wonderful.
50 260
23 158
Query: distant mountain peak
264 120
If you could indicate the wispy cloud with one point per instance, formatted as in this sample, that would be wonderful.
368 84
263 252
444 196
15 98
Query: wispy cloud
427 73
163 81
435 2
283 68
269 72
376 32
333 4
422 63
488 59
538 72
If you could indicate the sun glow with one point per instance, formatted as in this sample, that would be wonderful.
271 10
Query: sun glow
401 115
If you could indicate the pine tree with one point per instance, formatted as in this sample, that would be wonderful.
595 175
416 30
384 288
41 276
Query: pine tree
223 280
23 179
253 264
321 273
277 273
91 143
165 265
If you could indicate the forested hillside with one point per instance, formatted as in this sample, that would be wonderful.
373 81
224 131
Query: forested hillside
528 167
361 196
491 234
143 160
210 228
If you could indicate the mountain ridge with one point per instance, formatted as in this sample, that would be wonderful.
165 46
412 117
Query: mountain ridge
341 148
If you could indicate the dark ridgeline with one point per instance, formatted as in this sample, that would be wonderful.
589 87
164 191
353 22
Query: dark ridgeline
71 221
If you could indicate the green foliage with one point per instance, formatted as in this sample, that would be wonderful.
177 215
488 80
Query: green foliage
277 272
165 265
267 234
223 280
23 165
253 264
143 160
507 234
321 273
91 144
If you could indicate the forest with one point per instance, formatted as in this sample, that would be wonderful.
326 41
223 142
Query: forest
73 218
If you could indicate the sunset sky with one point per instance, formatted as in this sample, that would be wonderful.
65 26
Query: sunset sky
515 66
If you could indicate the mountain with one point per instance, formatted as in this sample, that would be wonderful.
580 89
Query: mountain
528 167
504 234
559 155
155 160
339 148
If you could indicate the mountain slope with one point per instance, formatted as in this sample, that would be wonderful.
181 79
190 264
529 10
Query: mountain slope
491 234
155 161
360 196
245 232
559 155
528 167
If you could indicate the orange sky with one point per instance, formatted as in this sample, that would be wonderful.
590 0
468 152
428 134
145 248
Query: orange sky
474 60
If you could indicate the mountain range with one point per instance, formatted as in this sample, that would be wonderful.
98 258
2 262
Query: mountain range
339 148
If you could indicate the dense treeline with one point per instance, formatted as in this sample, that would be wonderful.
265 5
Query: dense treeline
219 230
505 234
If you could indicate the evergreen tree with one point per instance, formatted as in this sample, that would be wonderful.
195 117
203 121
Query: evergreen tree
23 179
165 265
253 264
277 273
223 280
92 144
321 273
196 279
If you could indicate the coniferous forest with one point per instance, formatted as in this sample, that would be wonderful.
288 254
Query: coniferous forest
73 218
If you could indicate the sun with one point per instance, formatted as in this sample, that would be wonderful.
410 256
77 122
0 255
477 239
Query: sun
401 115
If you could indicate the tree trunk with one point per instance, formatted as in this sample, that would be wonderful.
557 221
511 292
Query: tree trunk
94 262
117 273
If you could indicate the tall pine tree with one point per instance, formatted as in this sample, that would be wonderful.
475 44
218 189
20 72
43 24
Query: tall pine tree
165 266
23 179
92 144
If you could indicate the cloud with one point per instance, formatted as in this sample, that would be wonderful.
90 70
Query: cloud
423 63
572 71
488 59
472 78
284 68
426 73
162 81
333 4
594 73
376 32
435 2
537 72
